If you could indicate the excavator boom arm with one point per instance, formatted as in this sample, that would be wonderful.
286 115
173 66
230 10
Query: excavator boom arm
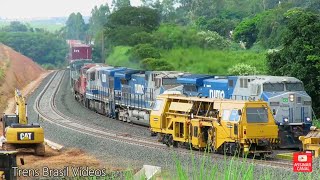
21 109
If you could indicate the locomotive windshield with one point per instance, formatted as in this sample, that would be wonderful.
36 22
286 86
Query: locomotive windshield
273 87
276 87
294 86
257 115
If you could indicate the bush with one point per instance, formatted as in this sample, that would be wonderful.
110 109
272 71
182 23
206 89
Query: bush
119 56
142 51
141 38
170 36
242 70
121 35
48 66
211 39
152 64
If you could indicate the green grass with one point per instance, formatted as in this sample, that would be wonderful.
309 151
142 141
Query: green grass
206 167
120 57
196 60
316 122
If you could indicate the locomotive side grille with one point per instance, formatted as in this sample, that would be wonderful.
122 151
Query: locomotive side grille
308 103
274 103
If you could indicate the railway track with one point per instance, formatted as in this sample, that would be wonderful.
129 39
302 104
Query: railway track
46 108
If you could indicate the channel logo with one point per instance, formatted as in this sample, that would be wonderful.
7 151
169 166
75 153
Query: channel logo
302 162
302 158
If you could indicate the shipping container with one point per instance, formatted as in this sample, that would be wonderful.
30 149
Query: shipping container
80 52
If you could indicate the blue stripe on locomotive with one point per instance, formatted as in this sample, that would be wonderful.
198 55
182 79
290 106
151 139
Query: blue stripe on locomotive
267 95
193 79
215 88
192 83
126 74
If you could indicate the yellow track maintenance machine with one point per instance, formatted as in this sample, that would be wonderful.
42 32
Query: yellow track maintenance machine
7 163
19 133
311 142
222 126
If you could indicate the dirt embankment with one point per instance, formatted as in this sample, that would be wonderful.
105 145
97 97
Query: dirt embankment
22 73
19 71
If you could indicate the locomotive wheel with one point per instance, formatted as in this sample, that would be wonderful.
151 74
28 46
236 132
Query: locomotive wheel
175 144
39 149
153 134
262 156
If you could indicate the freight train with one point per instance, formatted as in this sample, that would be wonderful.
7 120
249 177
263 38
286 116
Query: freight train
130 95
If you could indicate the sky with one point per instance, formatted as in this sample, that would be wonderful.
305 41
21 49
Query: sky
25 9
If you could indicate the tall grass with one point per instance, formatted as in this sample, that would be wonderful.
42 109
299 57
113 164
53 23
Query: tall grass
120 57
205 167
196 60
237 169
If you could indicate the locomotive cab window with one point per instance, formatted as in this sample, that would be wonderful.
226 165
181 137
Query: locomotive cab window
124 82
273 87
257 115
234 115
226 115
294 87
92 76
157 105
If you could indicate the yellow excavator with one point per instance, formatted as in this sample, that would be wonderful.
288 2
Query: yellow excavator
19 133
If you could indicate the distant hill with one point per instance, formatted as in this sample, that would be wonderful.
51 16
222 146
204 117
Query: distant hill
51 20
51 24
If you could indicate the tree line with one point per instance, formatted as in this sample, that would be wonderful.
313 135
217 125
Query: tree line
47 49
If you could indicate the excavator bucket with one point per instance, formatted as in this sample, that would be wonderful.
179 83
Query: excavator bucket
311 142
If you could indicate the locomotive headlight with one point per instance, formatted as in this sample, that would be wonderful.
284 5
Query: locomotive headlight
286 120
308 119
291 97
